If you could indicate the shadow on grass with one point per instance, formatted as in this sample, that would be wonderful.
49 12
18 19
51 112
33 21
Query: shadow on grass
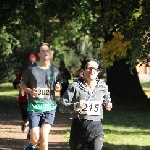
135 119
19 144
59 146
9 110
12 144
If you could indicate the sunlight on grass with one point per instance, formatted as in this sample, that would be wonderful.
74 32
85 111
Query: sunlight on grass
12 93
126 136
146 88
6 89
9 84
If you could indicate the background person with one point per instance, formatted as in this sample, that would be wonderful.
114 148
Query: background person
22 97
79 73
85 99
65 75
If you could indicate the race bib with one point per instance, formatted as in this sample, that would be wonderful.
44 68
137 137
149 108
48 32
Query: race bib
91 108
44 93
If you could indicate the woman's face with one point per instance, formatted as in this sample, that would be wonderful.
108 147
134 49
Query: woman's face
91 71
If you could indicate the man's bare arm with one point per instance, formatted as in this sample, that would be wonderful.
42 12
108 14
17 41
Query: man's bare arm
25 88
33 92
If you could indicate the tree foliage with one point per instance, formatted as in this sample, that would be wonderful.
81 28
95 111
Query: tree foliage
130 18
122 24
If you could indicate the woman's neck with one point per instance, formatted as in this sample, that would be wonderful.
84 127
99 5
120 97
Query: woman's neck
90 84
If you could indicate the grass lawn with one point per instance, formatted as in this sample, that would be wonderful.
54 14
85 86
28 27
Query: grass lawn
124 130
146 88
8 95
7 91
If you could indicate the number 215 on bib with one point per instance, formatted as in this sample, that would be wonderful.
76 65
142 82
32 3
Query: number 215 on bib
91 108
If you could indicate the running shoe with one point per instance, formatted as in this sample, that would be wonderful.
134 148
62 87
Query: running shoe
28 148
24 128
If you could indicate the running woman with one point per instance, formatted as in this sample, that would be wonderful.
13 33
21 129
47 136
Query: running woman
85 99
43 79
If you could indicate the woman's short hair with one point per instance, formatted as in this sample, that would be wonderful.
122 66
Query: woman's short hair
86 60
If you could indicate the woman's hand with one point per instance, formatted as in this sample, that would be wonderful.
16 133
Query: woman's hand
108 105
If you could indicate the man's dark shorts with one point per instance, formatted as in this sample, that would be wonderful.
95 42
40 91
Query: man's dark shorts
36 119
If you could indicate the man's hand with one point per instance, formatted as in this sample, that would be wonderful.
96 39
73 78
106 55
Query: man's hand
108 105
34 92
58 87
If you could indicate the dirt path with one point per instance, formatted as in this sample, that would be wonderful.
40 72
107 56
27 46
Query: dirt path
11 137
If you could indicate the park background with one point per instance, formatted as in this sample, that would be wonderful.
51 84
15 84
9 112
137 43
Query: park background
114 32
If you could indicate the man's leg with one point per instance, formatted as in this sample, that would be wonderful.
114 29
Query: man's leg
44 132
34 138
35 135
47 120
34 124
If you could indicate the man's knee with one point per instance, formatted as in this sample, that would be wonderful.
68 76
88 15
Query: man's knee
34 140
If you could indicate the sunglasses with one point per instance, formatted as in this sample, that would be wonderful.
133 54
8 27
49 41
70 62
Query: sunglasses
92 68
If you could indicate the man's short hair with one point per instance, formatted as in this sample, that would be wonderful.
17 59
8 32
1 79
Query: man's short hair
43 44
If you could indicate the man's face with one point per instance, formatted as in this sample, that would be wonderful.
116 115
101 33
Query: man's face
44 52
91 71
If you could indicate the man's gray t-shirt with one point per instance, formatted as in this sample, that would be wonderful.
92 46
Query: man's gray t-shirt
44 79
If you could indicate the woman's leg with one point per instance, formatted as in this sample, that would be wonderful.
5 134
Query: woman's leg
75 141
96 144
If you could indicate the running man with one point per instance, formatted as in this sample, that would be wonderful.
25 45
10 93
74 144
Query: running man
43 79
85 99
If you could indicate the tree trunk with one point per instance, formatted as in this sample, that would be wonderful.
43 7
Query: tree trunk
124 87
